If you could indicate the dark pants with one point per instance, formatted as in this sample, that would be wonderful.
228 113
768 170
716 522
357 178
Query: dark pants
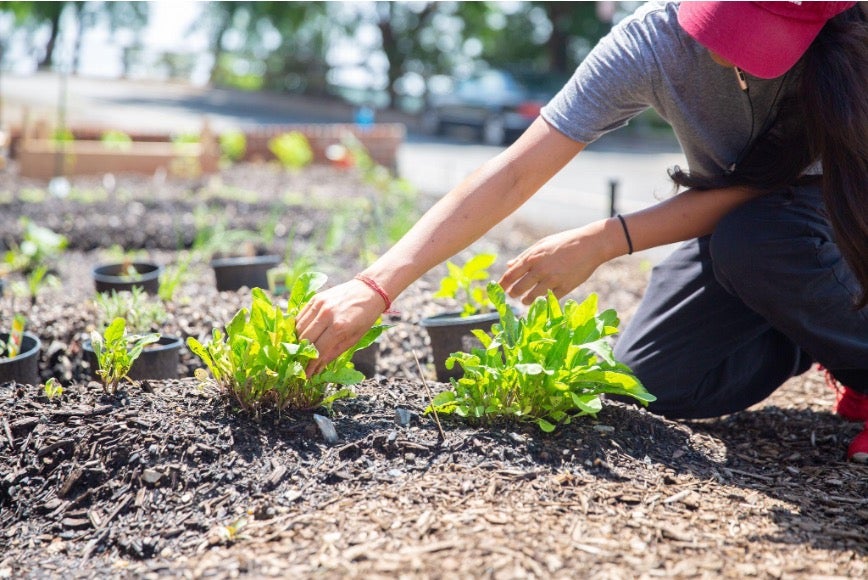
730 317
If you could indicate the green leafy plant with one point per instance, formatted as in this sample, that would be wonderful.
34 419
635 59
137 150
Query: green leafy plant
292 150
548 367
116 351
172 277
12 346
62 135
467 284
116 140
38 245
260 361
52 389
233 145
140 313
34 281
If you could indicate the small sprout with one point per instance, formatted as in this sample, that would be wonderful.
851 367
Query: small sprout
232 532
52 388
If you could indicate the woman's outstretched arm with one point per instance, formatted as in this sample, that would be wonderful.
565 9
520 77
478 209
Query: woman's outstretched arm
335 319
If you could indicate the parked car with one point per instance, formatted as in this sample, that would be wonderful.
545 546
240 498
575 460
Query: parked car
497 103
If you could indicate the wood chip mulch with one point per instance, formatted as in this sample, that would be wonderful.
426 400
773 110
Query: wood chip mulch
167 479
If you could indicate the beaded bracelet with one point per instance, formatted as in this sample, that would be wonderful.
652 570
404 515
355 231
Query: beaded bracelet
372 284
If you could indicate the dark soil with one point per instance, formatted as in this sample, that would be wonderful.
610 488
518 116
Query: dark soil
168 479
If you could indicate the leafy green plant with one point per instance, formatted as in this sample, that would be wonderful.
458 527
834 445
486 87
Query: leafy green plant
38 245
12 346
116 140
233 145
116 351
292 150
140 313
172 277
548 367
260 361
62 135
34 281
52 389
467 284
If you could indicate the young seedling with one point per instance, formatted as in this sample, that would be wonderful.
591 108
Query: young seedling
140 313
260 361
39 244
116 352
548 367
467 284
52 389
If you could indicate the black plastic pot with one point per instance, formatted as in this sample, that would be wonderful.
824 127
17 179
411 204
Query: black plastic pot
158 361
365 360
23 368
450 332
108 277
238 272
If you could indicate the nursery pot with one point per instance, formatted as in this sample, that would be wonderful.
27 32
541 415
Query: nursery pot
365 360
451 332
237 272
23 368
158 361
110 277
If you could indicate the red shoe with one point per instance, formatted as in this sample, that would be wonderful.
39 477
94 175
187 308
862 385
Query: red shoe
849 404
858 450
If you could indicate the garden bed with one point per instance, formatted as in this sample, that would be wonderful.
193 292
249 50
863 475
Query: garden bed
169 480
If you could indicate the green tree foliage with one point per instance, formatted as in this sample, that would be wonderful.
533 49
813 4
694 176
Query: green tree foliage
34 15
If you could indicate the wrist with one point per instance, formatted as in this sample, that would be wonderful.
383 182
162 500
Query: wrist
374 286
613 242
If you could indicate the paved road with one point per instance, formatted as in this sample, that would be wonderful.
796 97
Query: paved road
577 195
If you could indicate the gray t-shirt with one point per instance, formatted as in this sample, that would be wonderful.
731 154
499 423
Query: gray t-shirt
648 60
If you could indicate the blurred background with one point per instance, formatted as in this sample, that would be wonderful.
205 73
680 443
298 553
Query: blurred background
464 77
384 55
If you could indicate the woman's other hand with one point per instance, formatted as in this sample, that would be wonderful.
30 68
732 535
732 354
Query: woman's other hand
562 261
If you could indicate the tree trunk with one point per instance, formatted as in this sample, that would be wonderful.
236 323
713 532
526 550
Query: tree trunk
48 58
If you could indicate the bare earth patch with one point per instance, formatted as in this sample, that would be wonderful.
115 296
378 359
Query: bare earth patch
168 480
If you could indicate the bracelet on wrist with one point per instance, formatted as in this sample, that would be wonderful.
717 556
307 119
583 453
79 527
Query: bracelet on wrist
372 284
626 233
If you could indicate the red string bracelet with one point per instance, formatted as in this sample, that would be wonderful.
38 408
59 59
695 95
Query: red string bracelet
372 284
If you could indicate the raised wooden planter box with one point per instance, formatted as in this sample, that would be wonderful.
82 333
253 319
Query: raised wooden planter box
41 157
381 140
44 159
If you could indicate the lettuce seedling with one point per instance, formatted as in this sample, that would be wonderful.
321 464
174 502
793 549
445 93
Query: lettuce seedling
116 352
547 367
467 284
52 389
260 361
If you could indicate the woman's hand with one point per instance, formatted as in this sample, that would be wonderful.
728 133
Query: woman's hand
335 319
560 262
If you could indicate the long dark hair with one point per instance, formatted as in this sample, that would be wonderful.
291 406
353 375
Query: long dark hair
829 115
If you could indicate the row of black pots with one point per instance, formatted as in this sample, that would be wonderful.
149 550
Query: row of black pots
230 273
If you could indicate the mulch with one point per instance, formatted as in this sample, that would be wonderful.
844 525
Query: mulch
169 479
